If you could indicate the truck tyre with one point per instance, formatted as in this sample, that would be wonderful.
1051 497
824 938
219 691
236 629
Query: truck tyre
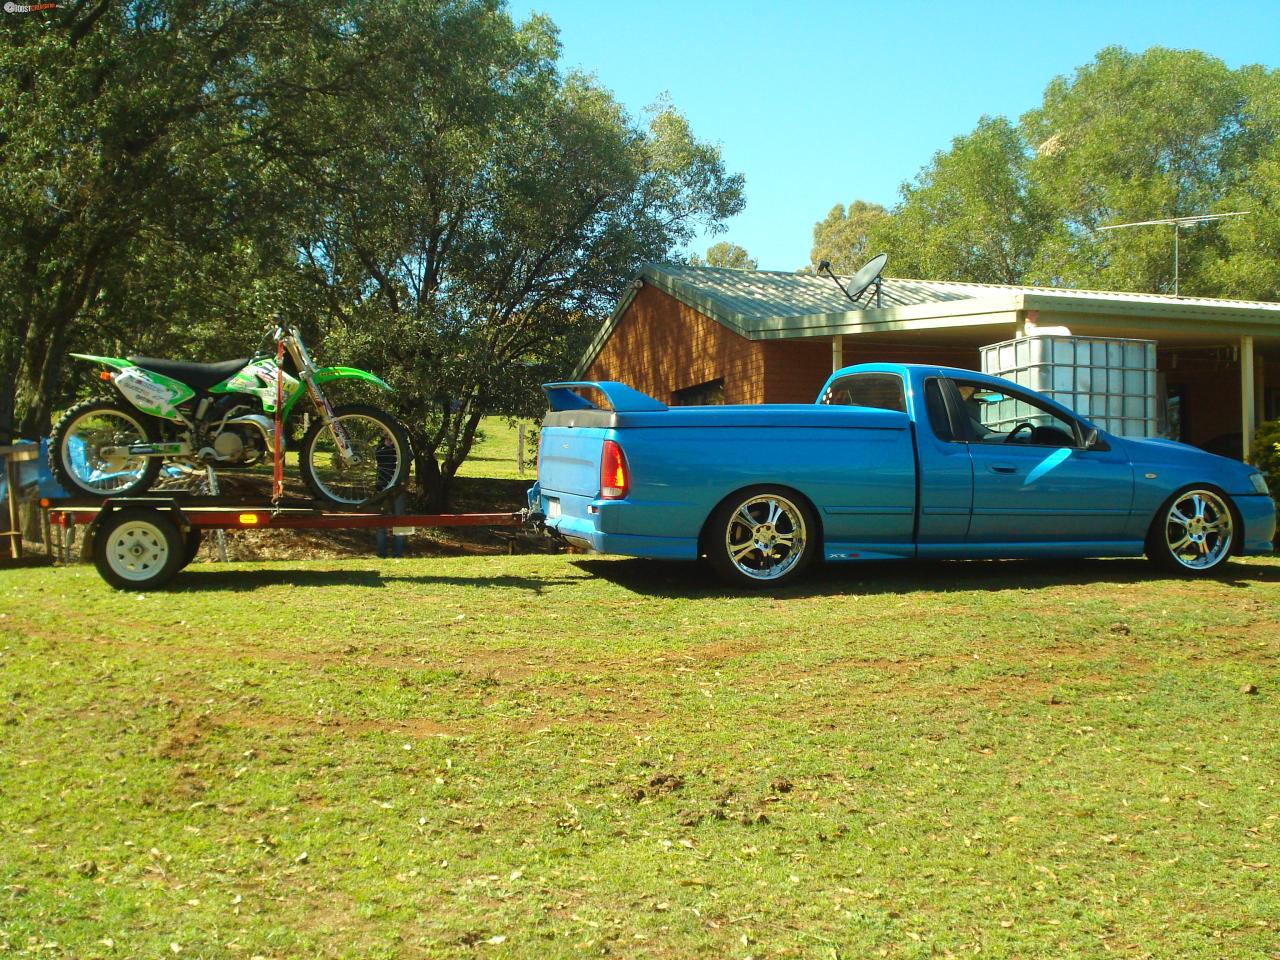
761 537
138 549
1193 532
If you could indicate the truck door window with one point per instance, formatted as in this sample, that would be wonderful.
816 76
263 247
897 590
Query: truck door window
881 391
996 416
936 407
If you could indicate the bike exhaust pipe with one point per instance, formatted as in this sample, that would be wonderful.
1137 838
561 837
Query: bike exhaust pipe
146 450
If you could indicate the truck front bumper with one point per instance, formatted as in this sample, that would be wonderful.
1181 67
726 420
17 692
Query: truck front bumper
1258 518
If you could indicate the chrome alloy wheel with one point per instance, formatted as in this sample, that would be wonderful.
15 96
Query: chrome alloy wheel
765 537
1199 529
136 551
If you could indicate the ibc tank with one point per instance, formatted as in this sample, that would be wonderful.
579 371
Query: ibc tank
1110 381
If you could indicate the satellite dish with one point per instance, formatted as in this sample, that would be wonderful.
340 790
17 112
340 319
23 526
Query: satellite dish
868 275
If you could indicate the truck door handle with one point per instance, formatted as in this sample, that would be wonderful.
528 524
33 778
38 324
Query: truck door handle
1002 468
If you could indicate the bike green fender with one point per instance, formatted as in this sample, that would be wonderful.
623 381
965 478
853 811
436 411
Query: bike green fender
327 374
116 362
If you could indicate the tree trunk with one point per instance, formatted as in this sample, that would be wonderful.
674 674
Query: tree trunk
46 344
430 494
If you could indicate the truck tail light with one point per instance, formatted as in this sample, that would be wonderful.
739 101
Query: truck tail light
614 479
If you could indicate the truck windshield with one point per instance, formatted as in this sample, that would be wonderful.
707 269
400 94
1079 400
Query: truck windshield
881 391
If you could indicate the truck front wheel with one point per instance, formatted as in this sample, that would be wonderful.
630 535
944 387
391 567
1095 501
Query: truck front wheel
1193 533
761 537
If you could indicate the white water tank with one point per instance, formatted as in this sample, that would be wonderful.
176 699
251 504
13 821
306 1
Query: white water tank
1110 381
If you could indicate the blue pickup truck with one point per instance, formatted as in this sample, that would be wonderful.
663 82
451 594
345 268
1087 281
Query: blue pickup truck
893 461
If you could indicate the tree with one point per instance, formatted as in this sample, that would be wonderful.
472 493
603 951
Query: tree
1127 137
841 237
1133 137
486 211
972 214
725 254
126 126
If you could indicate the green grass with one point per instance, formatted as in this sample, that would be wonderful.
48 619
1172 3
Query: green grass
494 452
551 756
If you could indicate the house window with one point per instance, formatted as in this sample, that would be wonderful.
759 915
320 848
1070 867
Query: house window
1271 403
706 394
1173 414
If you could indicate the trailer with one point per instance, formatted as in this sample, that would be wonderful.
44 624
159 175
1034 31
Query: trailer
141 542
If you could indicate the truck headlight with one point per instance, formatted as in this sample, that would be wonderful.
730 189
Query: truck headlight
1259 482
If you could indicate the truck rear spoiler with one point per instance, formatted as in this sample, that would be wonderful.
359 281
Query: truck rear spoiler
621 398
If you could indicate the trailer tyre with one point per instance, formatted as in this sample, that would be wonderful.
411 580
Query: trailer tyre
138 549
191 547
761 537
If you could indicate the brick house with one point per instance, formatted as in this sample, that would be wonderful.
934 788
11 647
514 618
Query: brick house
688 335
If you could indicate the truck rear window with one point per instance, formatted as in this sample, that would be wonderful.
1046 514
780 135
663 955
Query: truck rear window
882 391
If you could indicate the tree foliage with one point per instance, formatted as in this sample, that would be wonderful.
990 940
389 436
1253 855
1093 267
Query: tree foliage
497 223
130 131
414 183
842 236
725 254
1126 137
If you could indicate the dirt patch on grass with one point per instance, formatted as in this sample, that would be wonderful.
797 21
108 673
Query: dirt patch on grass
422 728
281 723
184 737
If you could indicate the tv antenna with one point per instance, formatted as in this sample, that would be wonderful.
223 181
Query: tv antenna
1177 223
868 276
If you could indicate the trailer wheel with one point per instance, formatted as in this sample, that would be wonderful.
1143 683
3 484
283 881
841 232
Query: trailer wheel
138 549
191 547
761 537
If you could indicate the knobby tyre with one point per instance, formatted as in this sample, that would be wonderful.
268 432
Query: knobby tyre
382 460
82 434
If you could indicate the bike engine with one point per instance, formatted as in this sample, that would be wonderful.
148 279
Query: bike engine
238 443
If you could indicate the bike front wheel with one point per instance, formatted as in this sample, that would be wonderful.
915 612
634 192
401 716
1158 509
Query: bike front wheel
379 455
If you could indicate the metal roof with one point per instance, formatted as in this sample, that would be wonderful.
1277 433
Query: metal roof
770 304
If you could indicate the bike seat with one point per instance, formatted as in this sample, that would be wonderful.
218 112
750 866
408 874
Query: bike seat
201 376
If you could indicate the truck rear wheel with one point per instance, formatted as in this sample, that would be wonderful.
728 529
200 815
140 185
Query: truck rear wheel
761 537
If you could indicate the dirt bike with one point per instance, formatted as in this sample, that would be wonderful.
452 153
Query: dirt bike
223 414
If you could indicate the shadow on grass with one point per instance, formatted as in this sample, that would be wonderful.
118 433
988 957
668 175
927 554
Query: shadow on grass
207 577
660 578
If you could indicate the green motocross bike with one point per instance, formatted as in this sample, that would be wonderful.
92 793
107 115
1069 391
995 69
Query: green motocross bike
223 415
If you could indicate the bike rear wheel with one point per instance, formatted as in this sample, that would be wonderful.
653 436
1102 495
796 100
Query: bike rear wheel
79 445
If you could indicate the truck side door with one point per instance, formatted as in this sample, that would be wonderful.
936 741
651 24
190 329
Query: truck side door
1034 480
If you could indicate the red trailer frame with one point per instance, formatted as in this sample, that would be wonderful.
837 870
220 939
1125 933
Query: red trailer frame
147 553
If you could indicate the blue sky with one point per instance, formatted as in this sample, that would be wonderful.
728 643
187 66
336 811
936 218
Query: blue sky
820 103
